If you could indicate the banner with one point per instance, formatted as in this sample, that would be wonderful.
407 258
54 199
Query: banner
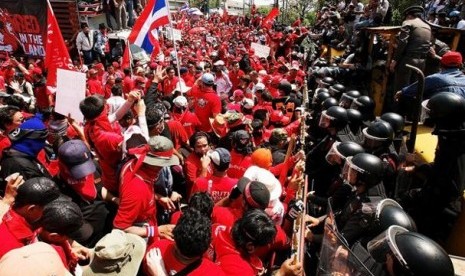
260 50
23 27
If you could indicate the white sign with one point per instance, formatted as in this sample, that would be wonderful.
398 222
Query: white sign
71 90
260 50
170 33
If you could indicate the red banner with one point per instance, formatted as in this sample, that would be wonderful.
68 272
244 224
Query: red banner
23 27
271 15
57 55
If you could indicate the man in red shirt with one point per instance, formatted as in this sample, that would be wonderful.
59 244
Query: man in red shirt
168 84
208 103
10 119
128 82
219 185
137 209
182 114
240 154
20 222
184 256
94 84
198 163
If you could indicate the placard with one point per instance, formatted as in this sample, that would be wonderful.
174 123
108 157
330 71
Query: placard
260 50
71 90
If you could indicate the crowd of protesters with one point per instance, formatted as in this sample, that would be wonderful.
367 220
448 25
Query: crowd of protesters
187 165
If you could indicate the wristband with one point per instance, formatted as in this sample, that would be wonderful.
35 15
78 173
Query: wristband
150 231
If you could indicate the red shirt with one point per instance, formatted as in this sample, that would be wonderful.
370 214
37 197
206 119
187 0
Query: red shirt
239 164
189 79
137 199
95 87
178 133
226 215
4 143
193 168
220 188
231 261
15 232
106 143
206 106
168 85
174 266
42 96
128 84
189 121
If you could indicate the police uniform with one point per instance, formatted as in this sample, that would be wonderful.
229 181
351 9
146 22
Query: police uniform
413 44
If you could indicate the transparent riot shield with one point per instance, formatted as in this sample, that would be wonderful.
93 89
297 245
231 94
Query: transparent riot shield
336 258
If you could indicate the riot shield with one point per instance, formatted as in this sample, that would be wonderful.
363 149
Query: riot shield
336 258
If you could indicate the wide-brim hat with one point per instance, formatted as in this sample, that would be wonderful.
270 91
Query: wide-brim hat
219 125
161 152
117 253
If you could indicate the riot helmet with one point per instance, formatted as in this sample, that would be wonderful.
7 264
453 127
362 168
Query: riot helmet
446 110
326 82
355 118
378 134
366 106
318 91
341 150
336 90
389 212
412 253
395 120
348 97
321 97
363 169
329 102
335 116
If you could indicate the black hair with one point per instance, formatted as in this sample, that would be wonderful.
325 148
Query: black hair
84 25
92 106
6 115
126 71
18 101
62 216
266 96
202 202
117 90
38 191
260 114
196 136
153 116
192 234
255 227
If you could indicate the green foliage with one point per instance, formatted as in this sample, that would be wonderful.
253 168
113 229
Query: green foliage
264 10
310 18
398 6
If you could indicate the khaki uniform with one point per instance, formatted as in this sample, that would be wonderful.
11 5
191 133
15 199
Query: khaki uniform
413 44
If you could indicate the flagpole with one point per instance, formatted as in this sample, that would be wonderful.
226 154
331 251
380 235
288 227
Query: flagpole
174 43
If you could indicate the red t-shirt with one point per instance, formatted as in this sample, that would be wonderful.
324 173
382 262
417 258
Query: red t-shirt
221 186
206 106
137 199
95 87
174 266
15 232
189 121
128 85
178 133
4 143
42 95
193 168
239 164
226 215
168 85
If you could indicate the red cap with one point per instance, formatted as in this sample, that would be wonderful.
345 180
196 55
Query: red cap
451 59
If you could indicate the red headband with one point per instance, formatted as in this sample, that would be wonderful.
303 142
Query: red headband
249 198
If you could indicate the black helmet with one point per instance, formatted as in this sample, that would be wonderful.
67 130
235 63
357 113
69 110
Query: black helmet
327 82
329 102
379 133
341 150
413 253
320 90
321 97
446 106
336 90
389 212
355 117
321 62
363 168
335 116
285 86
348 97
395 120
365 105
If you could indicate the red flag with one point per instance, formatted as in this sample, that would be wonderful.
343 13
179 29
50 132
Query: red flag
126 62
272 15
56 53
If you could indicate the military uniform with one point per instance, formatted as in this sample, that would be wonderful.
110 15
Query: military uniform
413 43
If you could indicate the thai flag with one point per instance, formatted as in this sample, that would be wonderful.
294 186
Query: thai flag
145 31
184 7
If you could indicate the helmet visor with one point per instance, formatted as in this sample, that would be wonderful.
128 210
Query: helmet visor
370 141
350 172
345 101
384 244
325 120
355 105
425 111
334 157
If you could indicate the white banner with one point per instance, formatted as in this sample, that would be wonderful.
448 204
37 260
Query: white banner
260 50
71 90
175 32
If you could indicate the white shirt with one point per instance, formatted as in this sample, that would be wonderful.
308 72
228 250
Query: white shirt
83 43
